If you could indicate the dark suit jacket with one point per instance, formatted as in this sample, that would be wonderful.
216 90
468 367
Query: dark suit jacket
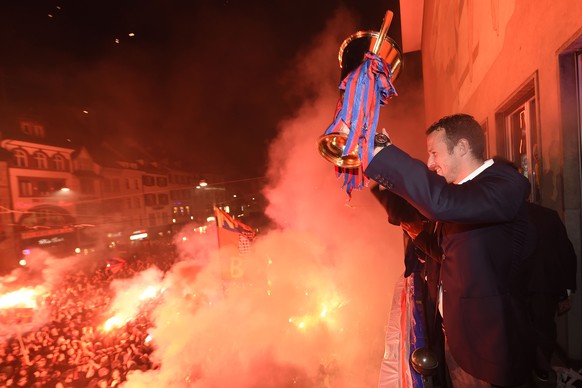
553 264
484 235
398 210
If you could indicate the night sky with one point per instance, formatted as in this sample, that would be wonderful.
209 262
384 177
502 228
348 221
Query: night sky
206 82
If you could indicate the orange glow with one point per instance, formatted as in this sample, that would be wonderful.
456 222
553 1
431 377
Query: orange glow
129 303
112 322
25 297
323 313
150 292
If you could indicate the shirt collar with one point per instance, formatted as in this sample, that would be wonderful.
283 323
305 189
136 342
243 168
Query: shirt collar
488 163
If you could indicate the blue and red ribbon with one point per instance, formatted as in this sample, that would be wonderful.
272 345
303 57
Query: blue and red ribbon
365 89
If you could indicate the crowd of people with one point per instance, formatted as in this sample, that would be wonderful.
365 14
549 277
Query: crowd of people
71 348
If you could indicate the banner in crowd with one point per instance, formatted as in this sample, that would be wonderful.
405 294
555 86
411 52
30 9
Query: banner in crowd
404 334
234 243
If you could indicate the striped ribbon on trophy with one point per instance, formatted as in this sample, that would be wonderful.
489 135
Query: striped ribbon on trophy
365 89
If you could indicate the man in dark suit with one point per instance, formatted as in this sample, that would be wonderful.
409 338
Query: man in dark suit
484 236
550 284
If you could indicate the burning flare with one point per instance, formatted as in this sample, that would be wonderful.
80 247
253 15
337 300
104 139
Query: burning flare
24 297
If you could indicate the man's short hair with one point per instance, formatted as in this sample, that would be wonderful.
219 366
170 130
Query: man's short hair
462 126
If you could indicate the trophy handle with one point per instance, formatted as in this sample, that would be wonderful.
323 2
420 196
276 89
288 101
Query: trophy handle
375 45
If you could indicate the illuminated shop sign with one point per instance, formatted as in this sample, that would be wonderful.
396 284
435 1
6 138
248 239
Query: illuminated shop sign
48 232
49 241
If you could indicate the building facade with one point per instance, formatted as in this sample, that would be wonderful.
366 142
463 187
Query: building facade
516 66
42 205
71 200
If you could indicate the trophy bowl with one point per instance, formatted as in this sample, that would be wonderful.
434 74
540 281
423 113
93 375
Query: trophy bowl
355 46
331 147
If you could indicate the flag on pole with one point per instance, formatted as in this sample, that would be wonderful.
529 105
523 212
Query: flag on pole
233 232
234 243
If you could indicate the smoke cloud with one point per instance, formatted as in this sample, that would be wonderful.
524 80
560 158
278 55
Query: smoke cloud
38 278
313 305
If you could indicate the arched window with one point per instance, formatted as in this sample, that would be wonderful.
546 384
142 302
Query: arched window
40 160
59 161
20 158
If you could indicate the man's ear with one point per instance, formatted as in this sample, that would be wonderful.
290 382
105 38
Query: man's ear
463 146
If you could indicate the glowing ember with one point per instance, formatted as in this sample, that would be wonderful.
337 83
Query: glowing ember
324 316
134 299
149 293
25 297
113 322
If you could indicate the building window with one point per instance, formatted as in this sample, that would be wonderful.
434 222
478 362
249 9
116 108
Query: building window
115 186
59 162
163 199
149 199
106 185
33 187
518 135
148 180
84 164
152 217
162 181
40 160
137 202
87 186
20 158
25 188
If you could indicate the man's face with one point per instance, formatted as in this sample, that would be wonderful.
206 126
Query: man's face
440 160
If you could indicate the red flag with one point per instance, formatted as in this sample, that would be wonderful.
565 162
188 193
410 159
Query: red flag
233 232
234 242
